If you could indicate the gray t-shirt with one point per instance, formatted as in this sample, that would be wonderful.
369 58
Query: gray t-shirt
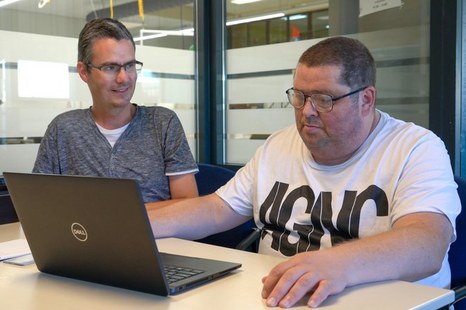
152 147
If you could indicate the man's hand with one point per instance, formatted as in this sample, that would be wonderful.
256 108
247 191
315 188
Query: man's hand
290 281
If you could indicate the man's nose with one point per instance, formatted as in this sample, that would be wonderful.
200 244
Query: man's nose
122 74
308 108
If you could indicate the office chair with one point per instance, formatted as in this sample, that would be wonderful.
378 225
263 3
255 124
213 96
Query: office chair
209 179
457 253
7 211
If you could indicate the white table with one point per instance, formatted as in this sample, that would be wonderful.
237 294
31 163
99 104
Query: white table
27 288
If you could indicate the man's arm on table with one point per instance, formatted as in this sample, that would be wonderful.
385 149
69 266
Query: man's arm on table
194 218
413 249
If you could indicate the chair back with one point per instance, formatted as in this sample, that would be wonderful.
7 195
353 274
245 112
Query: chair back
7 211
457 253
209 179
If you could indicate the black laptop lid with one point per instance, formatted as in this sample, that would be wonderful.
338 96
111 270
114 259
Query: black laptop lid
80 227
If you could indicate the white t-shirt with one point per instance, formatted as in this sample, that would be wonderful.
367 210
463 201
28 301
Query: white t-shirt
300 205
112 135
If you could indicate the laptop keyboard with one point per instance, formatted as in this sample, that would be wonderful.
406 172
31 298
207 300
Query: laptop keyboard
177 273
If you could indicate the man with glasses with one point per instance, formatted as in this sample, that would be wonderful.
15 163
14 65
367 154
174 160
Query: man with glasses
349 194
114 137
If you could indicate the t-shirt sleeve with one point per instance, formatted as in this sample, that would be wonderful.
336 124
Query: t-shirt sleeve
177 155
427 183
239 191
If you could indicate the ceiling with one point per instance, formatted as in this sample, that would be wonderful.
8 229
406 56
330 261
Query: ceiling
158 14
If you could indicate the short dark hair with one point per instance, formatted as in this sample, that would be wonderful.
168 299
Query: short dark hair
353 57
97 29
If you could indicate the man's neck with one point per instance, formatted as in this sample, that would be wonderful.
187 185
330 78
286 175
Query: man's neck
114 118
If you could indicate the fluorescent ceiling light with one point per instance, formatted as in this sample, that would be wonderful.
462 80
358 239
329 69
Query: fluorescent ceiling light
154 34
244 1
254 19
148 37
297 16
323 17
6 2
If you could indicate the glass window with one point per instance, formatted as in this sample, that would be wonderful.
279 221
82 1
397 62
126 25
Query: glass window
238 36
299 27
47 38
319 24
259 75
257 33
278 30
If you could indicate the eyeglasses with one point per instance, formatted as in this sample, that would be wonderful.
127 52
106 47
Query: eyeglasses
113 69
320 102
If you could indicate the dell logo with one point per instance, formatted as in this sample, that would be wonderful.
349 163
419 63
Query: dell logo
79 232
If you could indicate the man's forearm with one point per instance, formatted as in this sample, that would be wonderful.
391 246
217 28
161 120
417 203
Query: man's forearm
194 218
412 250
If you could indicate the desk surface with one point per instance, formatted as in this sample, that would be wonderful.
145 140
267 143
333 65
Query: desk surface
27 288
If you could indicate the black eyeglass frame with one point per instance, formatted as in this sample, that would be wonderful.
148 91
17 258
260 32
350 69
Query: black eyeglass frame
312 99
133 62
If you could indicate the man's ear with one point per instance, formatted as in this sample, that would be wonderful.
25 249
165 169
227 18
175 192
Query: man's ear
368 96
82 71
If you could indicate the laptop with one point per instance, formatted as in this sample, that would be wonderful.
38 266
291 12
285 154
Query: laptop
96 229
